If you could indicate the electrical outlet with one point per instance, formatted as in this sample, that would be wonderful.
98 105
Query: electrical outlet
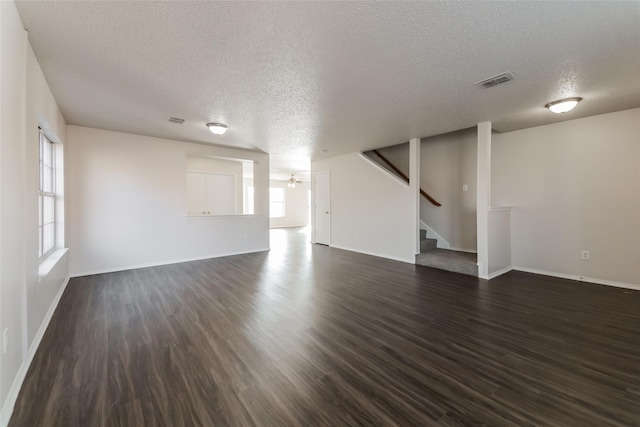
584 255
356 235
246 236
465 187
5 340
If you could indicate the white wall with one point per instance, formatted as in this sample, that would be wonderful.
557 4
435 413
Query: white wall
12 311
447 163
127 203
247 203
498 241
26 299
574 187
483 198
41 109
370 210
296 205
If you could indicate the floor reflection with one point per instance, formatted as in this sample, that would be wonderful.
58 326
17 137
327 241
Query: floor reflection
283 304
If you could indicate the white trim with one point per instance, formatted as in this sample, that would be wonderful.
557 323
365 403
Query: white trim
414 187
500 272
222 216
157 264
431 233
384 170
208 172
410 261
12 396
580 278
50 262
483 196
480 275
42 195
500 208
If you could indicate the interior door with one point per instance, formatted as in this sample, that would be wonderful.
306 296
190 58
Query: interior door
322 209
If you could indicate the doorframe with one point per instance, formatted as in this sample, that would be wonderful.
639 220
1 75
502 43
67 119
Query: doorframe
313 211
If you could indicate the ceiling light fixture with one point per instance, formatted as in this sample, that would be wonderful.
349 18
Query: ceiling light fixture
217 128
292 182
563 105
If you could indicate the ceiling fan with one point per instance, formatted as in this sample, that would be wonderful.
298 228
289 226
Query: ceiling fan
291 182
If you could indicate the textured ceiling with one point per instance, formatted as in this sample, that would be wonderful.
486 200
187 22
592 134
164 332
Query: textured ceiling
295 78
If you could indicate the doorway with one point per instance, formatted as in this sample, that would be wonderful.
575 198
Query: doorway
322 190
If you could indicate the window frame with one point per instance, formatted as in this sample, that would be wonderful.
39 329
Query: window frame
44 194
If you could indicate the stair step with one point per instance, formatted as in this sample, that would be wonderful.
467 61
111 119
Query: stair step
444 259
427 244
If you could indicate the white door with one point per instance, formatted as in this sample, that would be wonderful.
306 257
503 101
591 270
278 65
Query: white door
323 204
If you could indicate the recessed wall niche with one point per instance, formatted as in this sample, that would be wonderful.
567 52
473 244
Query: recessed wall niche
219 186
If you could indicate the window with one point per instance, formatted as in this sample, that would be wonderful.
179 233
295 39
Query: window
47 198
276 200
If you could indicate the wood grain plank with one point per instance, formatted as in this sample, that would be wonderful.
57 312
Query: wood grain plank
308 335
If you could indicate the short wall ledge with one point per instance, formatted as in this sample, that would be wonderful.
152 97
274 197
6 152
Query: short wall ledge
50 262
500 208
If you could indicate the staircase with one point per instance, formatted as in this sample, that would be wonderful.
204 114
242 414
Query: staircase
430 255
445 259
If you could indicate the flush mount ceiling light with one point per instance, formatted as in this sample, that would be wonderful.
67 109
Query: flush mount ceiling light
563 105
217 128
292 182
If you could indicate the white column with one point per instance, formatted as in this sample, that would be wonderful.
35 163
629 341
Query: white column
484 197
414 185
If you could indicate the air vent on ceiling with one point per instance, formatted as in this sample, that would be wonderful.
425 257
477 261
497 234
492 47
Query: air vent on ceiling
175 120
495 80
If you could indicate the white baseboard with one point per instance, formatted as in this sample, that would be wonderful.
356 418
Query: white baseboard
500 272
157 264
407 260
9 403
580 278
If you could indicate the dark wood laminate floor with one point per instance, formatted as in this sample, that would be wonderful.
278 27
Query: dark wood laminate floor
309 335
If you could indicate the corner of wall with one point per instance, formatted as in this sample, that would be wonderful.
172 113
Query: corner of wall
12 397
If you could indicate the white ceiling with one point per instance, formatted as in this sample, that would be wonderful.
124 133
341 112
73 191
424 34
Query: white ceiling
295 78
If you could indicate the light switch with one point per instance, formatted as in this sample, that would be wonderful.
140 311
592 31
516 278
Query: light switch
465 187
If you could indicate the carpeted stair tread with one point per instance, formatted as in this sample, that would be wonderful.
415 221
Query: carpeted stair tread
427 244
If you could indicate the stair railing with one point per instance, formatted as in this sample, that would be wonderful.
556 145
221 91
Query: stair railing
406 178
